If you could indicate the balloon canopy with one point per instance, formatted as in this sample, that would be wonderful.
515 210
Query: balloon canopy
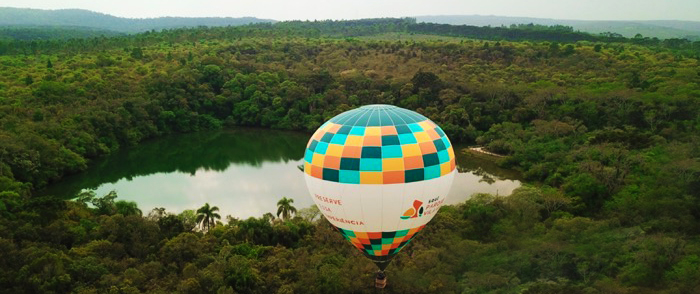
379 173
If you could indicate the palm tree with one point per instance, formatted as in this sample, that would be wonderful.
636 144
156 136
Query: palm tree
127 208
285 208
207 216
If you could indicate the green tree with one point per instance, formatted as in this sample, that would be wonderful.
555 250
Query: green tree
597 47
137 53
157 213
127 208
285 208
28 80
188 218
105 204
310 214
170 225
207 216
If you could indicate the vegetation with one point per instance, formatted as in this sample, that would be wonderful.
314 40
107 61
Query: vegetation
285 208
341 29
27 33
606 131
207 216
662 29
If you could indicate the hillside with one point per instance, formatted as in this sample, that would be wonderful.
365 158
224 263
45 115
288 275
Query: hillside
86 23
379 28
85 18
27 33
662 29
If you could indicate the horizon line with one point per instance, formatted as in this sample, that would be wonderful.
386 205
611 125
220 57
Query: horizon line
349 19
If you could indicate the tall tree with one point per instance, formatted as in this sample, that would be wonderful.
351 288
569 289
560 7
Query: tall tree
285 208
207 216
127 208
157 213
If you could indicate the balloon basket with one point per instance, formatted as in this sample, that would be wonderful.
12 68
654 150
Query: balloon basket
380 281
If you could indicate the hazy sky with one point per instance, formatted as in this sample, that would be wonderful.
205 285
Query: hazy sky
353 9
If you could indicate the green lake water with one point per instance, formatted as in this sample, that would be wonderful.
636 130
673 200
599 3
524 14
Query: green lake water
242 171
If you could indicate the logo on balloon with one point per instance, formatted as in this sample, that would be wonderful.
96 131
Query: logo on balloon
415 211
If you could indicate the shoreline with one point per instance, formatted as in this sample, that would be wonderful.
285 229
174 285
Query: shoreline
480 150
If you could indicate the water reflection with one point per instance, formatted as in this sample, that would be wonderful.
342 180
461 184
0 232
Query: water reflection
478 174
243 171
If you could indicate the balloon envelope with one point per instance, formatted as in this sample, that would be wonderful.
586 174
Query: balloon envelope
379 173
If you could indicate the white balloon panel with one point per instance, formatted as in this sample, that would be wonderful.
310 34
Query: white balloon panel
379 208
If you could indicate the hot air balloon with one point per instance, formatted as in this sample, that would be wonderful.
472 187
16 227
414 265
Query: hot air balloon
379 174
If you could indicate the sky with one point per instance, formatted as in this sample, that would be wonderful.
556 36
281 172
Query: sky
354 9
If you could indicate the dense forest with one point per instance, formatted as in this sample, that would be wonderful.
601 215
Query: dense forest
606 131
26 33
662 29
32 43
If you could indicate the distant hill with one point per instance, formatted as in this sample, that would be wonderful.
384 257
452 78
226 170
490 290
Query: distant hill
26 33
94 20
662 29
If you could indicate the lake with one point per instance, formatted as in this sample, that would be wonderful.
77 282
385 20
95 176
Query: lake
242 171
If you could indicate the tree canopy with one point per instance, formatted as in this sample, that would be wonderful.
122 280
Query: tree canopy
604 129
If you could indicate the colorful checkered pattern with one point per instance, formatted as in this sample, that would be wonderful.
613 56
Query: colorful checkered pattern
382 153
380 243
